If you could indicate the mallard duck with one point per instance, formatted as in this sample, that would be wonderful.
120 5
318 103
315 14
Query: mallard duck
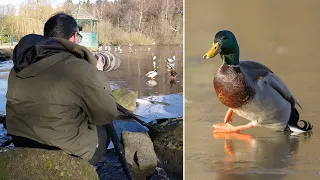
173 73
152 74
251 90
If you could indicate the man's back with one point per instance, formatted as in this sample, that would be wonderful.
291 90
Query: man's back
56 98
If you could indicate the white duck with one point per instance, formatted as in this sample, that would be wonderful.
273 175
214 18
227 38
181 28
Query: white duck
171 60
152 74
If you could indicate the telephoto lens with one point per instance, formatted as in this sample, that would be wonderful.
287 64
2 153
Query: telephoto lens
111 62
103 58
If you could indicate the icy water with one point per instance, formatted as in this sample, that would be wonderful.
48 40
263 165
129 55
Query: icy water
131 73
284 36
136 64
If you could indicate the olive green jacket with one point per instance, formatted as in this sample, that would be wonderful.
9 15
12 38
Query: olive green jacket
56 95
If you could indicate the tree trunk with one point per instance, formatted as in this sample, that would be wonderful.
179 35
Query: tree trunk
140 21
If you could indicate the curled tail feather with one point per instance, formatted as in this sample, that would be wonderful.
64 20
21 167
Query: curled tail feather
293 122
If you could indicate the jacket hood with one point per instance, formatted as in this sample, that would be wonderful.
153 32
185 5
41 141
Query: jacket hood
35 53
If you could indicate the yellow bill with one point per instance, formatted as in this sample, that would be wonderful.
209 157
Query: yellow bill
213 51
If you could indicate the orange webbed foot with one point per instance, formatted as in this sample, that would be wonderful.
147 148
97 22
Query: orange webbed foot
226 127
223 128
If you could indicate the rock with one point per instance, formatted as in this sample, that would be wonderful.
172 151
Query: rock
168 146
126 98
5 54
140 154
28 163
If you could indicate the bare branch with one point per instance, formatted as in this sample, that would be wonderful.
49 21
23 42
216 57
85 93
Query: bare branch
136 21
173 28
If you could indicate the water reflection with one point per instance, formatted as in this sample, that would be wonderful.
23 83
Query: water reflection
248 157
151 83
144 59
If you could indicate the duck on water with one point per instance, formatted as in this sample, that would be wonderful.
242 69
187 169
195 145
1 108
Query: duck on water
252 91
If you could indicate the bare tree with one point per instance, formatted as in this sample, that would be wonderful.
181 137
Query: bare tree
121 21
142 6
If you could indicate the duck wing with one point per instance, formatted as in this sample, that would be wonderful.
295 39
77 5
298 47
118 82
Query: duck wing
276 83
259 72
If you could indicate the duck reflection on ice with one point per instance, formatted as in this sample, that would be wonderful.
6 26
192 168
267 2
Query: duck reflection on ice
248 157
151 83
172 82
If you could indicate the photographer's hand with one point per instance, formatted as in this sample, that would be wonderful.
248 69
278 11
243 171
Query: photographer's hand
100 63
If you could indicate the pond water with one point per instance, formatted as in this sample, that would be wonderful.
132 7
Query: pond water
131 73
280 34
136 64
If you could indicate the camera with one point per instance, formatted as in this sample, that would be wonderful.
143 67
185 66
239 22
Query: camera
111 62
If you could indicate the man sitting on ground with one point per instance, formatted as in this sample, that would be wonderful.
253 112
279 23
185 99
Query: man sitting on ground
57 98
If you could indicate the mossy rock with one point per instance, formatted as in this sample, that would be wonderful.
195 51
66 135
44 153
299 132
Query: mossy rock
30 163
126 98
169 146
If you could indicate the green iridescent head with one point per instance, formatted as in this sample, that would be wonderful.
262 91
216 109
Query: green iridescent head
225 44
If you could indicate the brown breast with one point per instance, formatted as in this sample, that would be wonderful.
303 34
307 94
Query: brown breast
231 87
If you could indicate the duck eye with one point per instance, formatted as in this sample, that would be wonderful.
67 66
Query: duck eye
225 38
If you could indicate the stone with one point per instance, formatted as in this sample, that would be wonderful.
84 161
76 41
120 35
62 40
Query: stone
126 98
140 154
5 54
31 163
168 146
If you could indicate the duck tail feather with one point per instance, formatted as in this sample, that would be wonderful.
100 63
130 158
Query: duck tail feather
296 128
293 122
